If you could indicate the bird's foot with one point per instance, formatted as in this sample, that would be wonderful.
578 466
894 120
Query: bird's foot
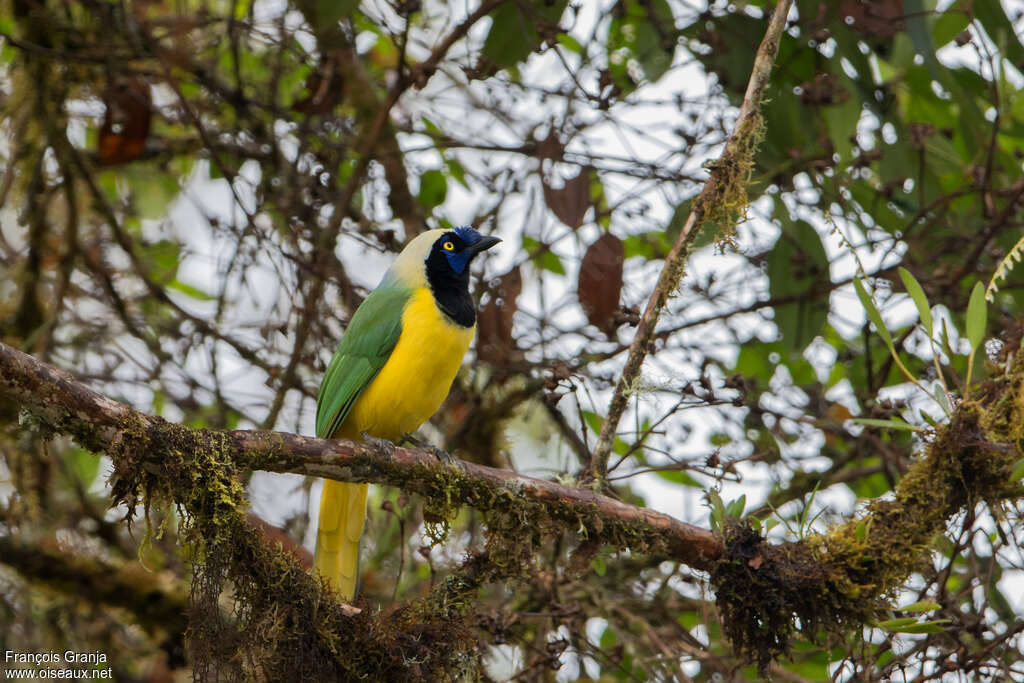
383 445
444 457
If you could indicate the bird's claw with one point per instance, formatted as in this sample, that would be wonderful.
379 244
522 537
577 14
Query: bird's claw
444 457
383 445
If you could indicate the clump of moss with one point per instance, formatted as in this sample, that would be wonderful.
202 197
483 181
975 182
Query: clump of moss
724 200
766 592
284 625
828 584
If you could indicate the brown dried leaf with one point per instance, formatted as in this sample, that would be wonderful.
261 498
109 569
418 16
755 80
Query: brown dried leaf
571 201
126 121
494 323
600 281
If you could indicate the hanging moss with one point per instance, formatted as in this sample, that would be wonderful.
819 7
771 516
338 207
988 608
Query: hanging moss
724 201
284 625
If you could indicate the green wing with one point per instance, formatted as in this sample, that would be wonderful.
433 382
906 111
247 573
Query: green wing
362 352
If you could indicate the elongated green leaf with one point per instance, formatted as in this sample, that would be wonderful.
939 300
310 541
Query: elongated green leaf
940 395
977 316
873 315
798 268
921 606
885 424
1018 471
735 507
896 624
920 300
926 627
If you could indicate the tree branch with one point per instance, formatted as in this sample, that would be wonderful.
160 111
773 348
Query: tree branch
101 424
718 194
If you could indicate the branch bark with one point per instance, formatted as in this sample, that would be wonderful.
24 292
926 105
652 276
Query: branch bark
101 424
739 150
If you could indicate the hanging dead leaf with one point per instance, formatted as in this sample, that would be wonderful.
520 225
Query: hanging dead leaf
126 121
571 201
495 343
600 281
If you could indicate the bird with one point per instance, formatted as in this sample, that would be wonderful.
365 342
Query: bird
393 368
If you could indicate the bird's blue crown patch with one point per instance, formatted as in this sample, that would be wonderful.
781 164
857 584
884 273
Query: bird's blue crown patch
467 234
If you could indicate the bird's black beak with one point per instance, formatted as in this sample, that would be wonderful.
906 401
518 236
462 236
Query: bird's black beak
485 243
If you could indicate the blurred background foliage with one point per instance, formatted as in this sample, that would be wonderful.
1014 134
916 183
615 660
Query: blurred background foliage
195 196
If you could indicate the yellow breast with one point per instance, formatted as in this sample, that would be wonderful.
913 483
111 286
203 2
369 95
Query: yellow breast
416 377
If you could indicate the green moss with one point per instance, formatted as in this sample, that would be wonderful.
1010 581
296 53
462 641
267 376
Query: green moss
284 625
839 581
724 201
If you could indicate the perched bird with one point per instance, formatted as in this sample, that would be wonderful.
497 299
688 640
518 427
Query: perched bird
393 368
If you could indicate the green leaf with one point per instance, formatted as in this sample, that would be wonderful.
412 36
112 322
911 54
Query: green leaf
921 606
934 626
644 33
593 420
513 34
885 424
896 625
916 293
1018 471
977 316
151 190
82 465
569 43
798 267
873 315
457 171
940 396
650 245
189 290
329 12
162 259
545 259
949 25
433 189
735 507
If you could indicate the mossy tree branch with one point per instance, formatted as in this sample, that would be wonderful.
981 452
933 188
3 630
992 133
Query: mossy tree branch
104 425
833 583
828 583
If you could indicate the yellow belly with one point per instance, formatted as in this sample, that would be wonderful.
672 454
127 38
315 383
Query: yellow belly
416 377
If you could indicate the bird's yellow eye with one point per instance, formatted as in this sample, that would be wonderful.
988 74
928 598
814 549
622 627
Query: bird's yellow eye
448 246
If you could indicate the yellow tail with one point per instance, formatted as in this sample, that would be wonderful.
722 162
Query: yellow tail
342 513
